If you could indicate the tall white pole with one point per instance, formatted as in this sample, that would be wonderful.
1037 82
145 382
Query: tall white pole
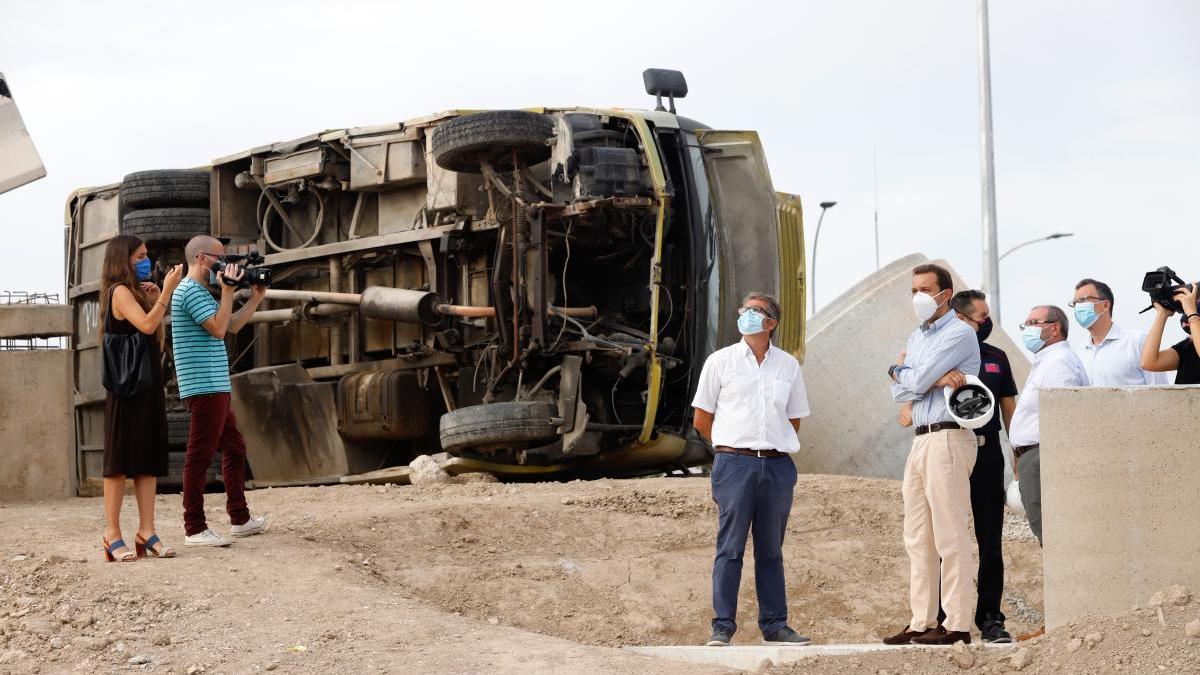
991 263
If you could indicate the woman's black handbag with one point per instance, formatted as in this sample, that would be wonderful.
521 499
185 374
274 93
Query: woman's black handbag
126 363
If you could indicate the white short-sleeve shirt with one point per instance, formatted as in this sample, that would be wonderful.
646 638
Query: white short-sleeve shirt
1054 366
1117 360
752 403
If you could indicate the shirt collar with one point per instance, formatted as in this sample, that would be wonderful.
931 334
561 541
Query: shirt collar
940 323
1048 351
1114 333
745 347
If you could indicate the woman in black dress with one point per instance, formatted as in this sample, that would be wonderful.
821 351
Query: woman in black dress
135 427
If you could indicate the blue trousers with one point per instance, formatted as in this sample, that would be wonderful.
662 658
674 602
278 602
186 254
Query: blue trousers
753 495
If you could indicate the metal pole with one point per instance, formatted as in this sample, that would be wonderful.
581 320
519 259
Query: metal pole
991 263
812 275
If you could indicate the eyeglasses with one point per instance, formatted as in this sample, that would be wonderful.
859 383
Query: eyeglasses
756 310
1086 298
1036 322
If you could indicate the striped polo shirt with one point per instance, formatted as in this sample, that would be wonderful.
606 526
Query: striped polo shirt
201 364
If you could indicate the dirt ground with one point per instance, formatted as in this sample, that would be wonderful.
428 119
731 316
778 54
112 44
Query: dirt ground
478 577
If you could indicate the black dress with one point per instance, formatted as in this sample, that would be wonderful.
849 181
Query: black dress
135 428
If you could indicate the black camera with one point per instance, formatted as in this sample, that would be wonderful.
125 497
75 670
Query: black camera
1162 284
251 275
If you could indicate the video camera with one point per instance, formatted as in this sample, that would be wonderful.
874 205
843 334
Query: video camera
1162 285
251 276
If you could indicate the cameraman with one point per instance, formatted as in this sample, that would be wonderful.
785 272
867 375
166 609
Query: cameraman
198 329
1184 356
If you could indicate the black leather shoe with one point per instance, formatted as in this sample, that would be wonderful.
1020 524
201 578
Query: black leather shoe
993 632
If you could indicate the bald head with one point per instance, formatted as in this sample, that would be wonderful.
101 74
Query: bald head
202 244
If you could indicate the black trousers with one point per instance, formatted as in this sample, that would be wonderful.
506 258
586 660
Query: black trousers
987 507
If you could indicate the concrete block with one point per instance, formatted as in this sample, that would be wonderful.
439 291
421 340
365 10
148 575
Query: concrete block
748 657
29 321
850 344
1120 491
36 425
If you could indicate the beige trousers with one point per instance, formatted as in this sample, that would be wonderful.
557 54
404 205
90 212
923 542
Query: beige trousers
937 501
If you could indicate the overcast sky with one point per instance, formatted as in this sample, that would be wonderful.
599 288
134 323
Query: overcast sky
1096 109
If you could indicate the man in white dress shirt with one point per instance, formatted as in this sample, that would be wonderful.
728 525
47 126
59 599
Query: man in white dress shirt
748 404
1054 365
1113 355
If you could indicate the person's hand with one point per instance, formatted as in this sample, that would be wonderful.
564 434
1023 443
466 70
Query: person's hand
233 273
953 379
1163 312
905 416
171 281
257 293
1188 298
151 290
900 359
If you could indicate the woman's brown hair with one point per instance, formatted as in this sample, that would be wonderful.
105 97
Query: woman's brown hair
118 271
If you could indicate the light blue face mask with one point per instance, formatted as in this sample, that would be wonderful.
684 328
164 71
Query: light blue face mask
1032 336
750 322
1085 314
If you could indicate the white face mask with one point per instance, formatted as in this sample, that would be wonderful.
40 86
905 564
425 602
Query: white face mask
925 305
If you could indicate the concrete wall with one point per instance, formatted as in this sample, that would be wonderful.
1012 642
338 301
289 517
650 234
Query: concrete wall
37 446
851 342
1120 496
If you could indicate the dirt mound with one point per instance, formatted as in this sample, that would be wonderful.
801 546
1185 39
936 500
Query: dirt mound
658 504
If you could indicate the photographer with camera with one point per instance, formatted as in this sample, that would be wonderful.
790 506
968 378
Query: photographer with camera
1184 356
199 326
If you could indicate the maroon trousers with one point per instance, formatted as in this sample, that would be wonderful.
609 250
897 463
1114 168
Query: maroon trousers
213 427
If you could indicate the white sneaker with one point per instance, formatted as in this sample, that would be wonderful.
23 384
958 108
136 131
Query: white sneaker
206 538
256 525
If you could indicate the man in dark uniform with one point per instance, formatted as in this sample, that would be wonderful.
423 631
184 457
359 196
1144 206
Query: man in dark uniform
987 478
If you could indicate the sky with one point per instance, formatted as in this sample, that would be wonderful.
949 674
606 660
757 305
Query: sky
1096 109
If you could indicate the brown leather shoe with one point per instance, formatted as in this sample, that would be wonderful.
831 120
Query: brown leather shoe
1035 634
904 637
941 636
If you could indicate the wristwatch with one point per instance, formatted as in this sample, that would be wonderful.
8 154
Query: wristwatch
892 371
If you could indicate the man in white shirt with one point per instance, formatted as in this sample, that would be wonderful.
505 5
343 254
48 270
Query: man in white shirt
1113 355
1054 365
748 404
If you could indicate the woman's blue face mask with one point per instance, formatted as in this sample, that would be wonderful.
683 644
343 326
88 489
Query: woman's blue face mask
143 268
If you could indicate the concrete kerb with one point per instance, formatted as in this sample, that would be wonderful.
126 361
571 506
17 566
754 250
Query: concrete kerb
751 657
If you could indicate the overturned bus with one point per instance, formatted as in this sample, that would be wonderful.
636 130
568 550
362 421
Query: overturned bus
531 291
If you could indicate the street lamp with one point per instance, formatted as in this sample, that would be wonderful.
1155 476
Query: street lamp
812 275
1056 235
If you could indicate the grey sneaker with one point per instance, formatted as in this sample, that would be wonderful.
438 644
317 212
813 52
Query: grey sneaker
785 636
720 638
256 525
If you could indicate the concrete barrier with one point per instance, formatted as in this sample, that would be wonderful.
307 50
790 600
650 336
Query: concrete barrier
36 429
850 344
1120 497
30 321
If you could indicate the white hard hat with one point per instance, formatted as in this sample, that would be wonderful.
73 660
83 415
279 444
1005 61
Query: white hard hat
1012 498
971 405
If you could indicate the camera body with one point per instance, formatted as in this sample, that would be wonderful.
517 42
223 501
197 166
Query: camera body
251 275
1162 285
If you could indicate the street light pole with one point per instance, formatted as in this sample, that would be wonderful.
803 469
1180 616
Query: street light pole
991 263
1056 235
812 275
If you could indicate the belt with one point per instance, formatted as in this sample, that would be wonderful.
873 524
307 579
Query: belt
747 452
1022 449
936 426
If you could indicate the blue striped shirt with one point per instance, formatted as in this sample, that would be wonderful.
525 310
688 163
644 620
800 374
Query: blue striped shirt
933 350
201 364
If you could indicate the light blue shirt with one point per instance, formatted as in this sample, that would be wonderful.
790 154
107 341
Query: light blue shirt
934 350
